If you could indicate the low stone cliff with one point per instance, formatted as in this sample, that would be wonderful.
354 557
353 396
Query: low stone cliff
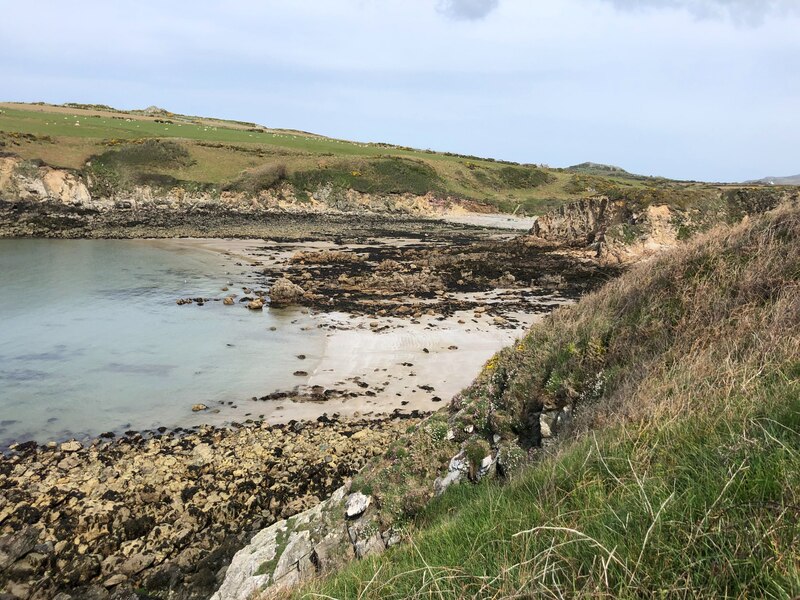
44 201
624 231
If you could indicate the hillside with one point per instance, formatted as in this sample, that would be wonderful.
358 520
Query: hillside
674 393
154 152
790 180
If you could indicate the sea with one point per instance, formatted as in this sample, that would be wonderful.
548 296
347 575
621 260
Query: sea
92 340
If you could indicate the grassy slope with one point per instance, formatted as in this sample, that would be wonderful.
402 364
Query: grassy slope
228 153
681 475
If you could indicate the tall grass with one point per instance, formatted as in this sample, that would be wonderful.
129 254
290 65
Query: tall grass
681 478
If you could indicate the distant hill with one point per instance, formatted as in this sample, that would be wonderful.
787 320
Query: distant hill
117 151
597 169
790 180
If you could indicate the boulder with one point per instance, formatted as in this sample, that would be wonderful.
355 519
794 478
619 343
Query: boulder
256 304
283 292
71 446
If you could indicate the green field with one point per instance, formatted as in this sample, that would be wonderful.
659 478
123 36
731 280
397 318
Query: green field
243 156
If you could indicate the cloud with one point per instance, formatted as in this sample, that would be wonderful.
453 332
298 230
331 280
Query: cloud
743 12
466 10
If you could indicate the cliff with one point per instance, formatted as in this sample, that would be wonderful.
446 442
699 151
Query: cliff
625 230
45 201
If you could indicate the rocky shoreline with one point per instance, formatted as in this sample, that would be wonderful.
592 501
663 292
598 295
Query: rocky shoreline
166 510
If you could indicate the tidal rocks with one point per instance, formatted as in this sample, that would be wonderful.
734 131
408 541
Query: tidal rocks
283 292
166 512
256 304
71 446
199 407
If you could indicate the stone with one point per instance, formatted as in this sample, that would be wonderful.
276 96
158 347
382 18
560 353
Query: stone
366 538
256 304
283 292
456 471
115 580
297 548
357 503
199 407
17 545
332 552
227 300
71 446
136 564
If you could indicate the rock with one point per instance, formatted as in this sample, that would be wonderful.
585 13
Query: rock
17 545
136 564
115 580
283 292
227 300
332 552
256 304
199 407
456 471
366 538
551 421
356 504
71 446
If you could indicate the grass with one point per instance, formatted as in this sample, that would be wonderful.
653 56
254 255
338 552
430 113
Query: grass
235 156
680 474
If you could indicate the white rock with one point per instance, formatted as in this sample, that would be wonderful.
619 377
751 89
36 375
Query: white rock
356 504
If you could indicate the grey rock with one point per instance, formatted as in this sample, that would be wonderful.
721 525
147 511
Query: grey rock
17 545
456 471
357 503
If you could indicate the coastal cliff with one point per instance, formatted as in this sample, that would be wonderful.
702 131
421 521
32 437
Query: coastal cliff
38 200
626 230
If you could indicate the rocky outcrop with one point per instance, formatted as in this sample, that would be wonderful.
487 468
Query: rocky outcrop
317 541
284 293
623 231
580 222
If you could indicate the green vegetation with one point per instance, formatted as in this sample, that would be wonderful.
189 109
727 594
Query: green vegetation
679 475
243 157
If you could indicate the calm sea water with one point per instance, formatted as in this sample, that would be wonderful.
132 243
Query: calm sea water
91 339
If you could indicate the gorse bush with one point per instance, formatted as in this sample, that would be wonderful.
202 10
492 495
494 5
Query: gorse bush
386 175
259 179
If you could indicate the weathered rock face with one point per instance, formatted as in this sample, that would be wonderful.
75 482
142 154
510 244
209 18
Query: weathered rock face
622 231
165 512
578 222
317 541
283 292
38 184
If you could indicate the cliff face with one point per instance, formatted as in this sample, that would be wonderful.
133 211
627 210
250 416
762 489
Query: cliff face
43 201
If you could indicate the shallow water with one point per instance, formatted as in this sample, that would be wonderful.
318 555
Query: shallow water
91 339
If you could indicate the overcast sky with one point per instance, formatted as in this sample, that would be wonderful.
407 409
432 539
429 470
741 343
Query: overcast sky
694 89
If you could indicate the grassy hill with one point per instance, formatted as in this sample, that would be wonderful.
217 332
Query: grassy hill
120 149
679 472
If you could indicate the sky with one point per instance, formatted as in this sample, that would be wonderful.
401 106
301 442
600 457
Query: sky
688 89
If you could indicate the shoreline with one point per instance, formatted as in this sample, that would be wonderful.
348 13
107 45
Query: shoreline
408 319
